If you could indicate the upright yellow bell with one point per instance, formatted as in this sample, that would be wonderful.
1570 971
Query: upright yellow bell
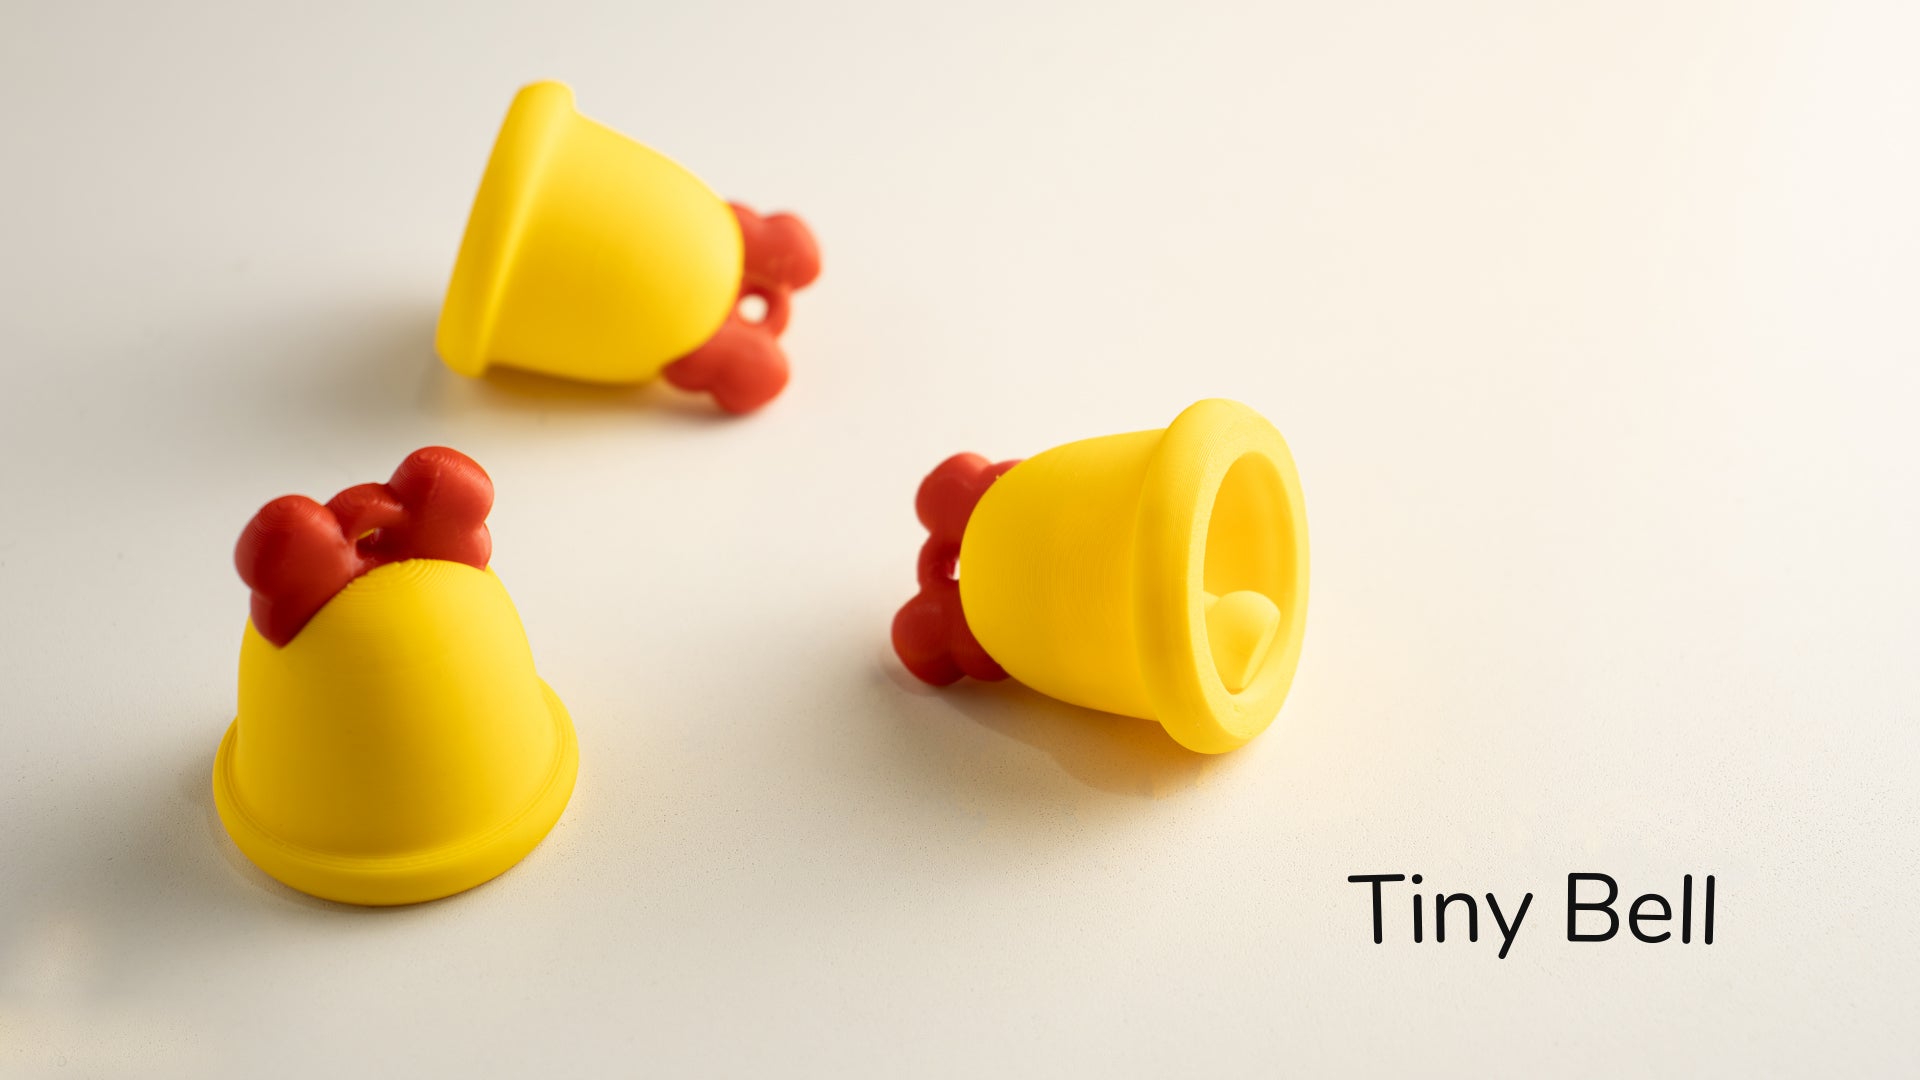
393 742
1158 574
588 255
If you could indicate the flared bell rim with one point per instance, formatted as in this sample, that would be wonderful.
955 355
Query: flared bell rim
535 124
408 877
1184 478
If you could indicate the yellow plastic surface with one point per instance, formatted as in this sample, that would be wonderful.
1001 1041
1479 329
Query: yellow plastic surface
588 255
1158 574
400 748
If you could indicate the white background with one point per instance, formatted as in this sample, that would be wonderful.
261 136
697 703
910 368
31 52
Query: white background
1593 332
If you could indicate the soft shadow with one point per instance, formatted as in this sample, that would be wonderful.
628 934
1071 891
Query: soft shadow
374 369
508 388
149 878
1120 755
355 368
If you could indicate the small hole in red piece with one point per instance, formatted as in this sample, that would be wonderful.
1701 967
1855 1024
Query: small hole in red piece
947 568
753 308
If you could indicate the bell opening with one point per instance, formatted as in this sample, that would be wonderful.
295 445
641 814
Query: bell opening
1248 577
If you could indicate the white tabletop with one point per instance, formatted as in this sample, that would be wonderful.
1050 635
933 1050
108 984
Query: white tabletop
1592 333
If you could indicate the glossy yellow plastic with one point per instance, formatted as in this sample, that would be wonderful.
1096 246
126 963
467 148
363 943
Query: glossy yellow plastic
1158 574
588 255
400 748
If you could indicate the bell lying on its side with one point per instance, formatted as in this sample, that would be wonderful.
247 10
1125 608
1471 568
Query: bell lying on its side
591 256
1157 574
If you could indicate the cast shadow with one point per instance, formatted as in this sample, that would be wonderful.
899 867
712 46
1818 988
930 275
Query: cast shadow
506 388
148 876
1119 755
374 369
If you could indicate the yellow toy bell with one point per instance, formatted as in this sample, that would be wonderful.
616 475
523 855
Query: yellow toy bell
1158 574
393 742
591 256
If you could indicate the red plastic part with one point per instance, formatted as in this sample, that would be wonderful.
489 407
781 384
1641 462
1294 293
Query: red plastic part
297 554
930 633
742 365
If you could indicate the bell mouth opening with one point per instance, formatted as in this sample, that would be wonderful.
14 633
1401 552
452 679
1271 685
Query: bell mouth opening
1220 548
1246 572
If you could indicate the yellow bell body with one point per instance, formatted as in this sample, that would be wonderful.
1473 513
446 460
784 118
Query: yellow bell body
588 255
1158 574
401 747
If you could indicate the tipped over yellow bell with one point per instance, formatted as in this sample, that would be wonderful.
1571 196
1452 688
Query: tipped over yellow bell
588 255
401 747
1158 574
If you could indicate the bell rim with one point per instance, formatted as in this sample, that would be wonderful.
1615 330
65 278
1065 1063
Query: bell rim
411 877
534 124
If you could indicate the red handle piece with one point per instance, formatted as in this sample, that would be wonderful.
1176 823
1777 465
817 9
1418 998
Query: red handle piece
742 365
930 633
297 554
